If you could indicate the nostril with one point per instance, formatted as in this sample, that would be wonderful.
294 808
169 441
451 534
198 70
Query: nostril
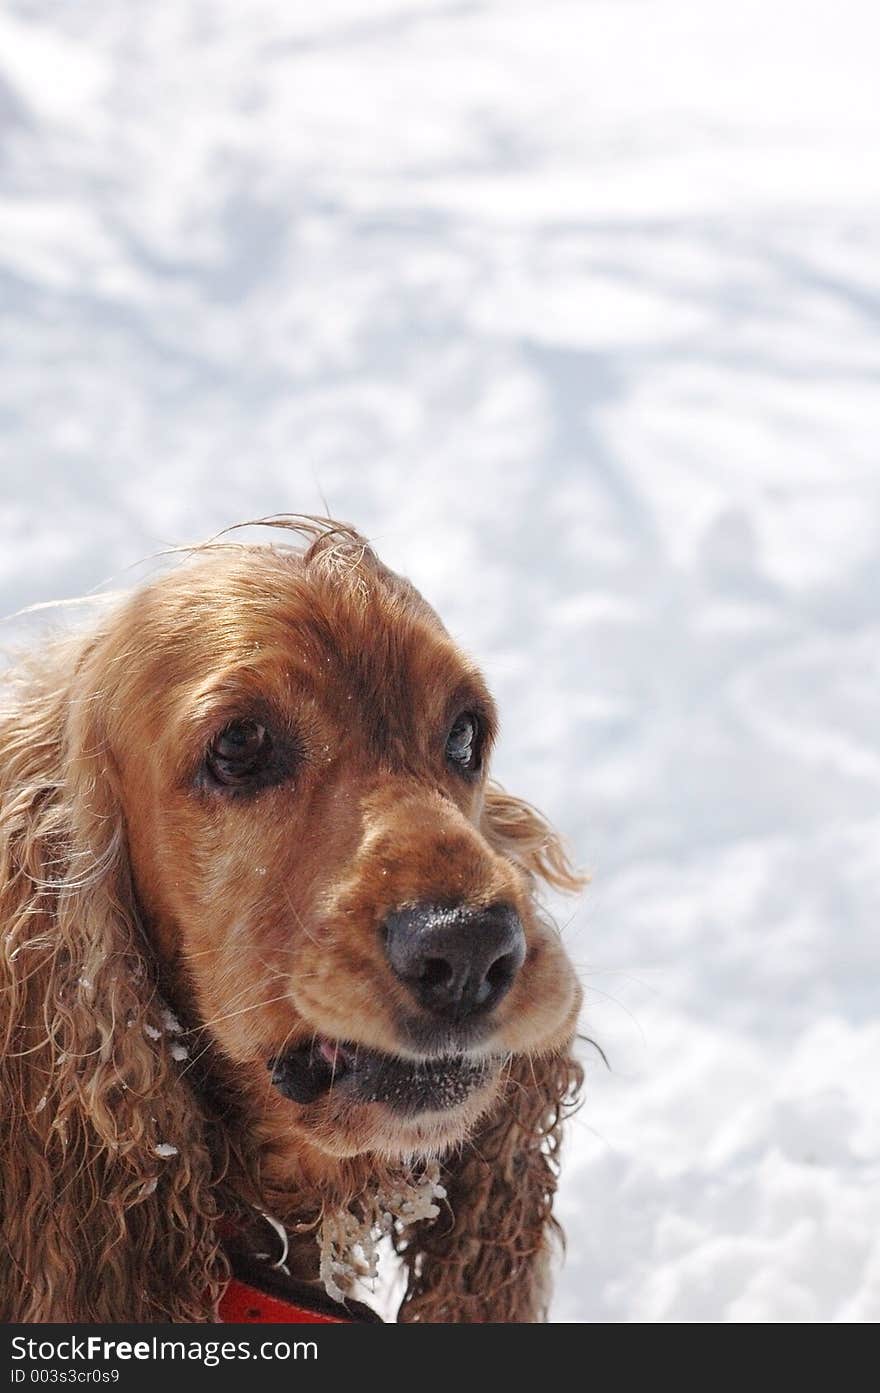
502 971
498 977
436 972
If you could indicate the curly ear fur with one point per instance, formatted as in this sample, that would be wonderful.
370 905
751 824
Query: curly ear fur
489 1259
95 1225
522 834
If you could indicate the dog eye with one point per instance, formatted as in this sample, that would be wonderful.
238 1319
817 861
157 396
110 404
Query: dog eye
240 753
462 746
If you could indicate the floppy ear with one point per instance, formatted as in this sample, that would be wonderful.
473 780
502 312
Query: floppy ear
106 1205
488 1258
522 834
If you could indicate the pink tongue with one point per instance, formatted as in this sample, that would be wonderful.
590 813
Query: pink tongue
328 1050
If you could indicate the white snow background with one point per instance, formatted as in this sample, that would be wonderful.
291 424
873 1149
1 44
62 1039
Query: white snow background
572 307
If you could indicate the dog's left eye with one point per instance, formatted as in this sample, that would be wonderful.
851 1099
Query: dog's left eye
462 743
240 754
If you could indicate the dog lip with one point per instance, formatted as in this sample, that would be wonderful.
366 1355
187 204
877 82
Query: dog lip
431 1037
362 1075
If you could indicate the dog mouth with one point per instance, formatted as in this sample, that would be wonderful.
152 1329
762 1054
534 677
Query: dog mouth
361 1075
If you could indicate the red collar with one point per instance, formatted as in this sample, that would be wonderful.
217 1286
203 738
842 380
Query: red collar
242 1304
259 1294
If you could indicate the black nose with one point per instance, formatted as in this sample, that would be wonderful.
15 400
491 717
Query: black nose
456 962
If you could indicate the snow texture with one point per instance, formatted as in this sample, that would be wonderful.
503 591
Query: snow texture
572 305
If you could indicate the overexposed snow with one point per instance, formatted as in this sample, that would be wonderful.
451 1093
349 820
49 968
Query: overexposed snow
573 306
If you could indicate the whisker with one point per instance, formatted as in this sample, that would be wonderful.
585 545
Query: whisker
625 1009
588 1040
299 919
197 1030
257 1005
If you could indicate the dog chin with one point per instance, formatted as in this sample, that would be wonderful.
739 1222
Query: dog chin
376 1129
382 1113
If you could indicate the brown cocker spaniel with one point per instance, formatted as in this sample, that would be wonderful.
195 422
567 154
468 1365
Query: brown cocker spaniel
272 968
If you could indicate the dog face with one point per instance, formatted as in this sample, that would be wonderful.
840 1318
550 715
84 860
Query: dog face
301 754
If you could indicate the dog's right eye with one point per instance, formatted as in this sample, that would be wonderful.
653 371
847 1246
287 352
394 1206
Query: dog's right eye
240 756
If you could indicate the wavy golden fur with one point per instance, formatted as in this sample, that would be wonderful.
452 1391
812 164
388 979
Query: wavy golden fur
131 1146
